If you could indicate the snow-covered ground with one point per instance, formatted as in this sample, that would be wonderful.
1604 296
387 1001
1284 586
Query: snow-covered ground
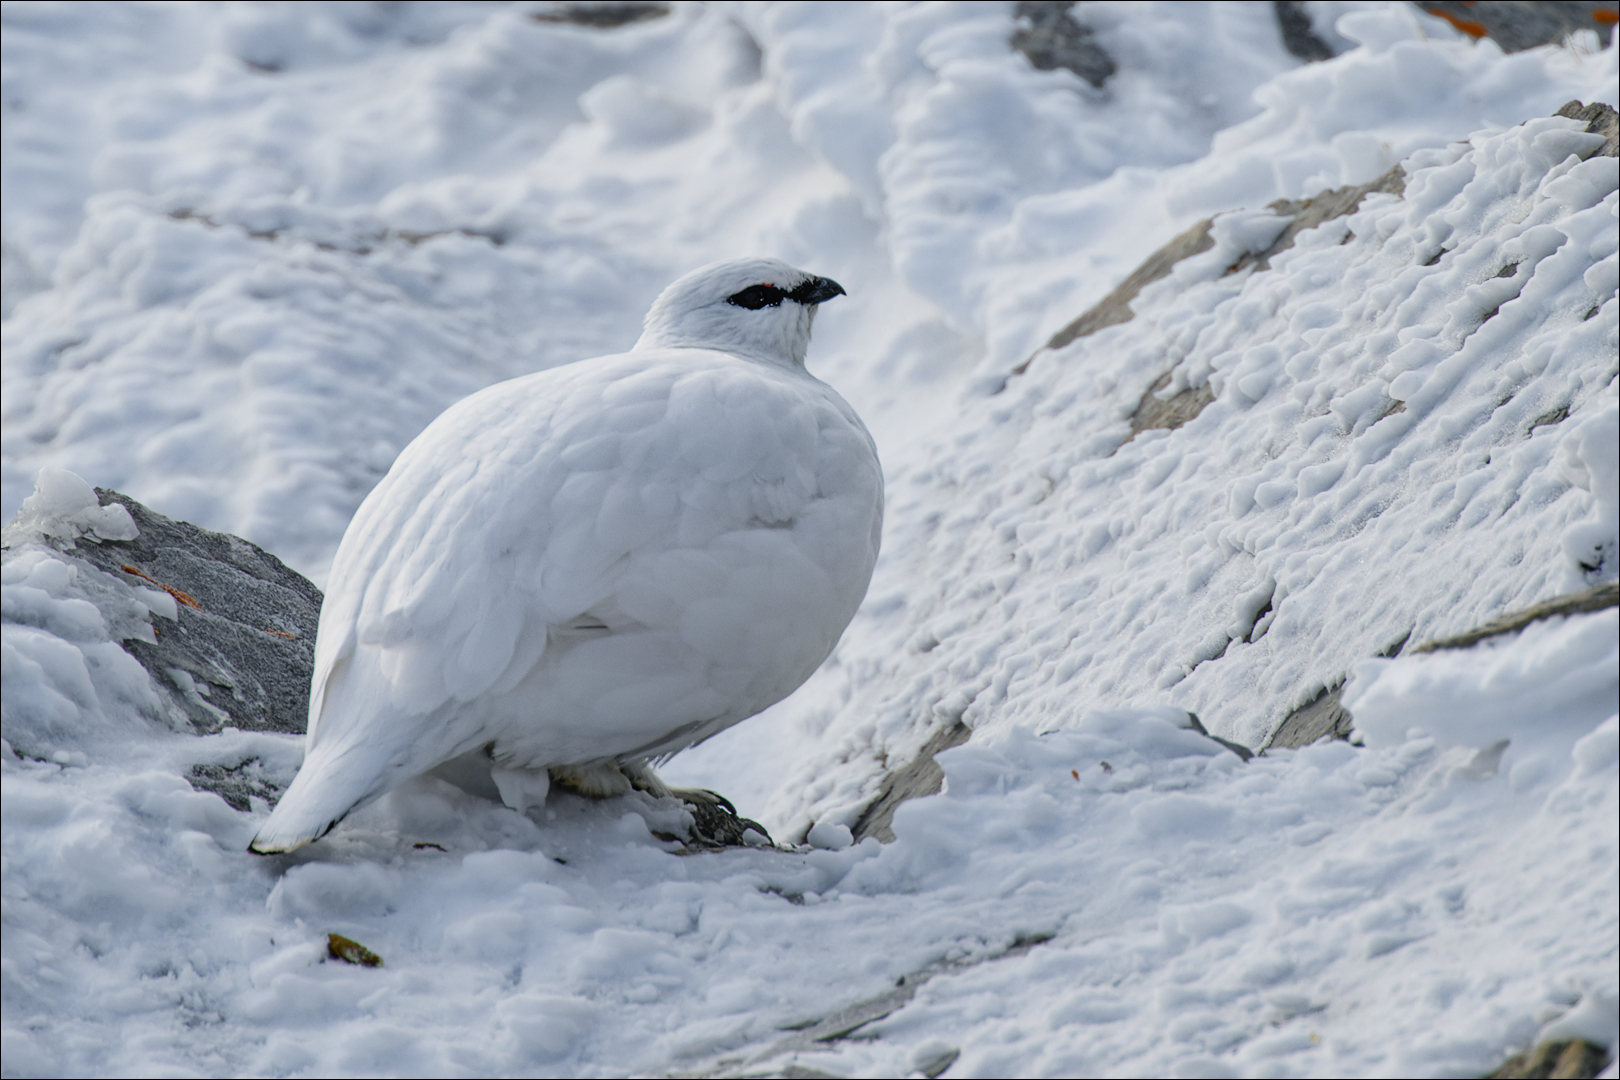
250 250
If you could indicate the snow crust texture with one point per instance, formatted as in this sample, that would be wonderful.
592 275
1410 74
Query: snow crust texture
252 250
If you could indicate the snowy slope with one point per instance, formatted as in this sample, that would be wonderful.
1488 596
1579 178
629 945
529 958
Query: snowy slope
1376 466
251 250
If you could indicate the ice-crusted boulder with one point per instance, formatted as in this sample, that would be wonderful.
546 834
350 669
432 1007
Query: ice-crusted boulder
1517 26
109 604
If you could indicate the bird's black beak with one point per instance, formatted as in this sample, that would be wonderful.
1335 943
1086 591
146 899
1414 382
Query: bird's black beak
816 290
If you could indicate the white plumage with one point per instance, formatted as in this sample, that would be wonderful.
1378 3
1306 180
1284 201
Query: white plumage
600 563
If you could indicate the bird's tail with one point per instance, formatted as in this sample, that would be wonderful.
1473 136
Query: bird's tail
330 784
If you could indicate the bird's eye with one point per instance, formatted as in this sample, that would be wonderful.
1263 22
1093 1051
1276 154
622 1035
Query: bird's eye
757 296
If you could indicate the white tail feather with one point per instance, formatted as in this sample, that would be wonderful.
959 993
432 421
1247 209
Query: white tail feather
322 795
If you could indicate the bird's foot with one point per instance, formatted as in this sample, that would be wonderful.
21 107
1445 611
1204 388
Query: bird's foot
597 781
641 776
716 823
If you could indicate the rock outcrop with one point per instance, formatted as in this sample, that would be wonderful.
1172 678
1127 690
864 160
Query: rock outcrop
1517 25
1050 38
243 647
1325 718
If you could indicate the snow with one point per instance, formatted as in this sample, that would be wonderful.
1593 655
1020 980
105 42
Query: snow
64 507
250 251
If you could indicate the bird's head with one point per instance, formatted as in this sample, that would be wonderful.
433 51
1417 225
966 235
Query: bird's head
758 308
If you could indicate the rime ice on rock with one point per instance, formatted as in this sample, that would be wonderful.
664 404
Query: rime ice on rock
232 642
240 651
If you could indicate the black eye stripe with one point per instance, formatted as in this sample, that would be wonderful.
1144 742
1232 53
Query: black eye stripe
812 291
757 296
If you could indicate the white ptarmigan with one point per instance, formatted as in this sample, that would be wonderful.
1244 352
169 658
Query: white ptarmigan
599 564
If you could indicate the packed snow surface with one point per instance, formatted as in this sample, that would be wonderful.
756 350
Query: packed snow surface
250 251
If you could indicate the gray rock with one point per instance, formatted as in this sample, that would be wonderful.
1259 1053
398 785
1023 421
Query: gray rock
601 16
238 785
1325 718
1299 36
1050 38
1602 120
1575 1059
1516 25
1195 724
1597 598
1115 308
1325 206
935 1064
242 651
918 777
817 1033
922 776
1319 208
1322 718
1154 412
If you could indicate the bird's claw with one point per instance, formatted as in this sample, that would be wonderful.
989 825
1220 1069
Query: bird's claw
716 823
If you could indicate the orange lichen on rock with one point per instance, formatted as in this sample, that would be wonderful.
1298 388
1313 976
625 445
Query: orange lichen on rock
184 598
1468 26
